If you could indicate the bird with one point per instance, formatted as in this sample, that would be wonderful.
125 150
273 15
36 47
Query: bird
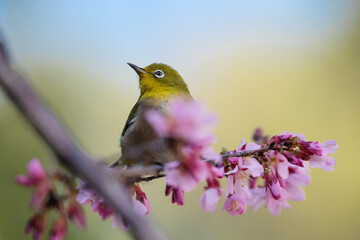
158 83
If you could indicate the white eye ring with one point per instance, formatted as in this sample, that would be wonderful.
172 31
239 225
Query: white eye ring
159 74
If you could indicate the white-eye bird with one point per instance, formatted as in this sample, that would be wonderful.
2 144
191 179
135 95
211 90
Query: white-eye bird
139 143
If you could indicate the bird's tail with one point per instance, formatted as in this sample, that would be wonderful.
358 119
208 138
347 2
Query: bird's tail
120 162
115 164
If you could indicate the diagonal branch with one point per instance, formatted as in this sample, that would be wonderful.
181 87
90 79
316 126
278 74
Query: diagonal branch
69 153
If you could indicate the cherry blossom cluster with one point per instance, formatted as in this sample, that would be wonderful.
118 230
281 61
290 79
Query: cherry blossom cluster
88 196
268 171
46 198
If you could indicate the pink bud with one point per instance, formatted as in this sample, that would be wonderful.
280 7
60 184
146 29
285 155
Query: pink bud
293 159
36 225
141 197
36 174
59 229
311 147
178 196
76 213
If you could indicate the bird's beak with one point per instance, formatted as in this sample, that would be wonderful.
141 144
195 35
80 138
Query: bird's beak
137 69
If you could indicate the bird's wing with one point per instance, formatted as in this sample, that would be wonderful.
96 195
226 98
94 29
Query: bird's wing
131 118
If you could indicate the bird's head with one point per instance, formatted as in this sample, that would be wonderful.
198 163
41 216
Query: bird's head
160 81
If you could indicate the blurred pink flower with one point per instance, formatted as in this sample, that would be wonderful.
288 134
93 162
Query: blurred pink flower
325 161
293 159
59 228
273 185
85 195
210 199
36 225
102 208
98 204
274 205
177 195
238 183
36 174
234 205
312 148
36 178
275 195
75 212
189 121
186 175
298 178
278 163
213 192
242 169
258 197
141 197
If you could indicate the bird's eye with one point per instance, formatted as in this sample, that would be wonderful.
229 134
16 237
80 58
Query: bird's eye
159 74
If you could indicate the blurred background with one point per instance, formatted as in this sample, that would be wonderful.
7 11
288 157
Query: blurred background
279 65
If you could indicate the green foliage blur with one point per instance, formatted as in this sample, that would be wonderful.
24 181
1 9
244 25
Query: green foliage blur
311 88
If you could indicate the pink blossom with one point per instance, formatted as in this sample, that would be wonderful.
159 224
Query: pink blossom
38 199
299 135
251 165
293 159
238 189
258 197
210 199
238 184
234 205
274 205
177 195
36 225
36 178
298 177
36 174
75 212
84 195
278 163
243 168
189 121
102 208
59 229
273 186
213 191
276 196
142 199
329 147
310 147
325 161
254 168
186 175
98 204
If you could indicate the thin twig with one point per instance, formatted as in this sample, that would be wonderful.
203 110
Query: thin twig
135 174
247 153
147 179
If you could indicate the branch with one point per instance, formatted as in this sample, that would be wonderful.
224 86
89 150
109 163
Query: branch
67 150
249 153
